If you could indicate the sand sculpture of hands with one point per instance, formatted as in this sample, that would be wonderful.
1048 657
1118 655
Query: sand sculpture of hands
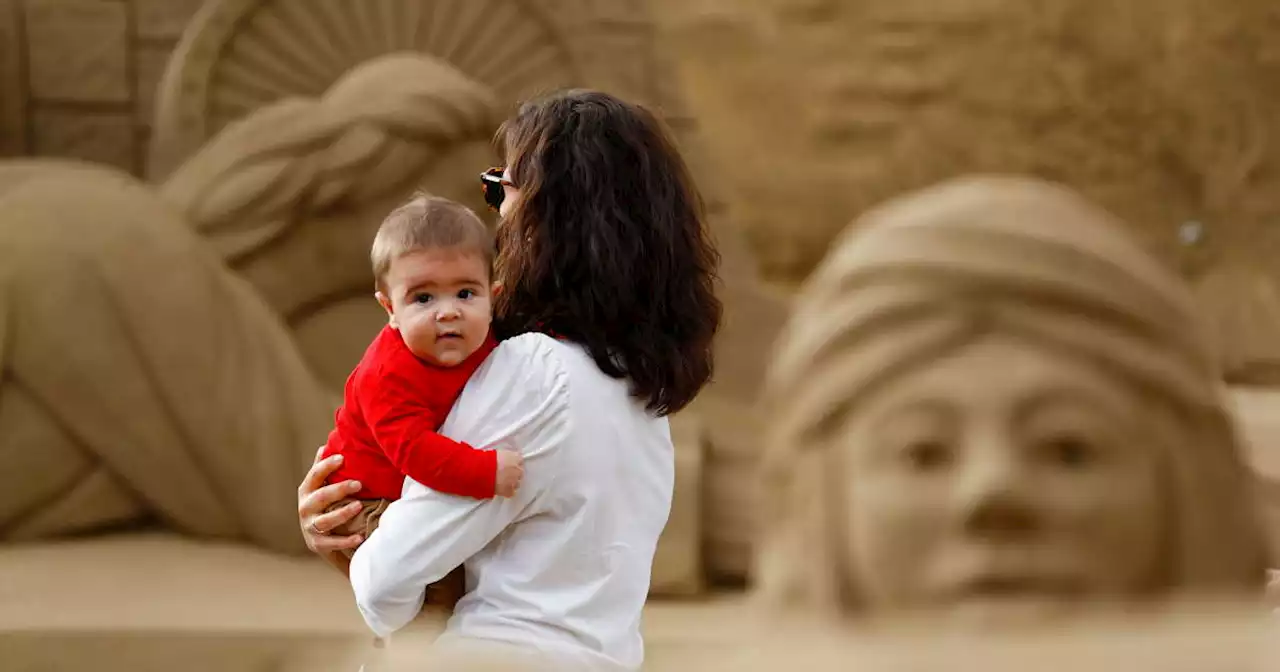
143 377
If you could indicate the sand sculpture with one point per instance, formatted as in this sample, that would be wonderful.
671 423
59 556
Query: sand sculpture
225 244
269 165
1158 110
224 297
239 55
77 78
176 390
1148 108
1122 102
1095 462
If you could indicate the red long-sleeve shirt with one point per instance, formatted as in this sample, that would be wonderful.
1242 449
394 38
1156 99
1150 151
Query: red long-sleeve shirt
386 429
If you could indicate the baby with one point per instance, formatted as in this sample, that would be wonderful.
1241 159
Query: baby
432 261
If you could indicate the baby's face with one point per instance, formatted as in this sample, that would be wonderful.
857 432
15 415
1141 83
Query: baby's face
440 301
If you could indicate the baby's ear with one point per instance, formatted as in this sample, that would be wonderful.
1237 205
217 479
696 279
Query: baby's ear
386 305
496 288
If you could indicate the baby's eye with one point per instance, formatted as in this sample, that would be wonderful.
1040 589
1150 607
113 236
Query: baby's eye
466 294
422 298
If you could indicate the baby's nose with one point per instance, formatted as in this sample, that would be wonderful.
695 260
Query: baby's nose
448 310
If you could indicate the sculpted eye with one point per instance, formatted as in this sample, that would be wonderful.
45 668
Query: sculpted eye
1068 450
927 455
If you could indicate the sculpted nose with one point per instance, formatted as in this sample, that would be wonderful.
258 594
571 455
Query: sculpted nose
995 498
1000 515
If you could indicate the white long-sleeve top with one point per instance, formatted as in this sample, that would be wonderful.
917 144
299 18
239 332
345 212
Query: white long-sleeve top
564 565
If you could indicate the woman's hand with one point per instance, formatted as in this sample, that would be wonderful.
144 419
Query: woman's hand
315 498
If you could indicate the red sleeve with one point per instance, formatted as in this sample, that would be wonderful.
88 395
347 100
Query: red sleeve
404 422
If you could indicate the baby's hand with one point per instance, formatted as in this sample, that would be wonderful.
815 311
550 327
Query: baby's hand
510 473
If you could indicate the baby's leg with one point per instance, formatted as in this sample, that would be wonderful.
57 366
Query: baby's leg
363 523
443 595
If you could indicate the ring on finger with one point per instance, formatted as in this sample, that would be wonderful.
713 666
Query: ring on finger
316 529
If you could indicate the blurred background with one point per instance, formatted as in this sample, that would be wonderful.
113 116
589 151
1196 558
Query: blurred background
797 115
808 110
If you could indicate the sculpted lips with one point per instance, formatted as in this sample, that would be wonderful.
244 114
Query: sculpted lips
1018 586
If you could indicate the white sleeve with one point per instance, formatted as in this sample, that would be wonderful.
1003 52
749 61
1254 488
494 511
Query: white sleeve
518 400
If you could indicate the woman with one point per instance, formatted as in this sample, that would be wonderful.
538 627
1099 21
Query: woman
609 313
991 405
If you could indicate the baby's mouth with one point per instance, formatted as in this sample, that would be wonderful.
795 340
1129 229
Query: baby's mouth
448 337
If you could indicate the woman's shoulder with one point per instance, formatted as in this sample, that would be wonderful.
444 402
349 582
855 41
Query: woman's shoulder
532 361
522 381
531 349
528 344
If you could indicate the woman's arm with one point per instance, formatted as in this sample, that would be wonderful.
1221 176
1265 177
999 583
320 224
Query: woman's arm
519 401
419 540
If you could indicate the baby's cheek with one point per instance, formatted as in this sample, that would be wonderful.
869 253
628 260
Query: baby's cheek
481 315
417 333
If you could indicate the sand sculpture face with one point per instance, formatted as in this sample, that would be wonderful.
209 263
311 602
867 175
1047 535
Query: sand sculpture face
991 404
990 495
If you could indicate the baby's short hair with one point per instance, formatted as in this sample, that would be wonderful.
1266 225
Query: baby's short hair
427 222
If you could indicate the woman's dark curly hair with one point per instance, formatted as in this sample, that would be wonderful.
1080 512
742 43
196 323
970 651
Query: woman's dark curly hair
607 245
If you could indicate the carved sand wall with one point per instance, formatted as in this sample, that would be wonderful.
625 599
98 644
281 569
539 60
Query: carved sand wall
78 77
1164 111
1159 110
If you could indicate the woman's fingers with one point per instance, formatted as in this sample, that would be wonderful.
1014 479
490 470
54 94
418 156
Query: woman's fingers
314 500
316 475
331 520
315 503
329 544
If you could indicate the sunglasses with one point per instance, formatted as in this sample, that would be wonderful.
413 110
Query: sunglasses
492 182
